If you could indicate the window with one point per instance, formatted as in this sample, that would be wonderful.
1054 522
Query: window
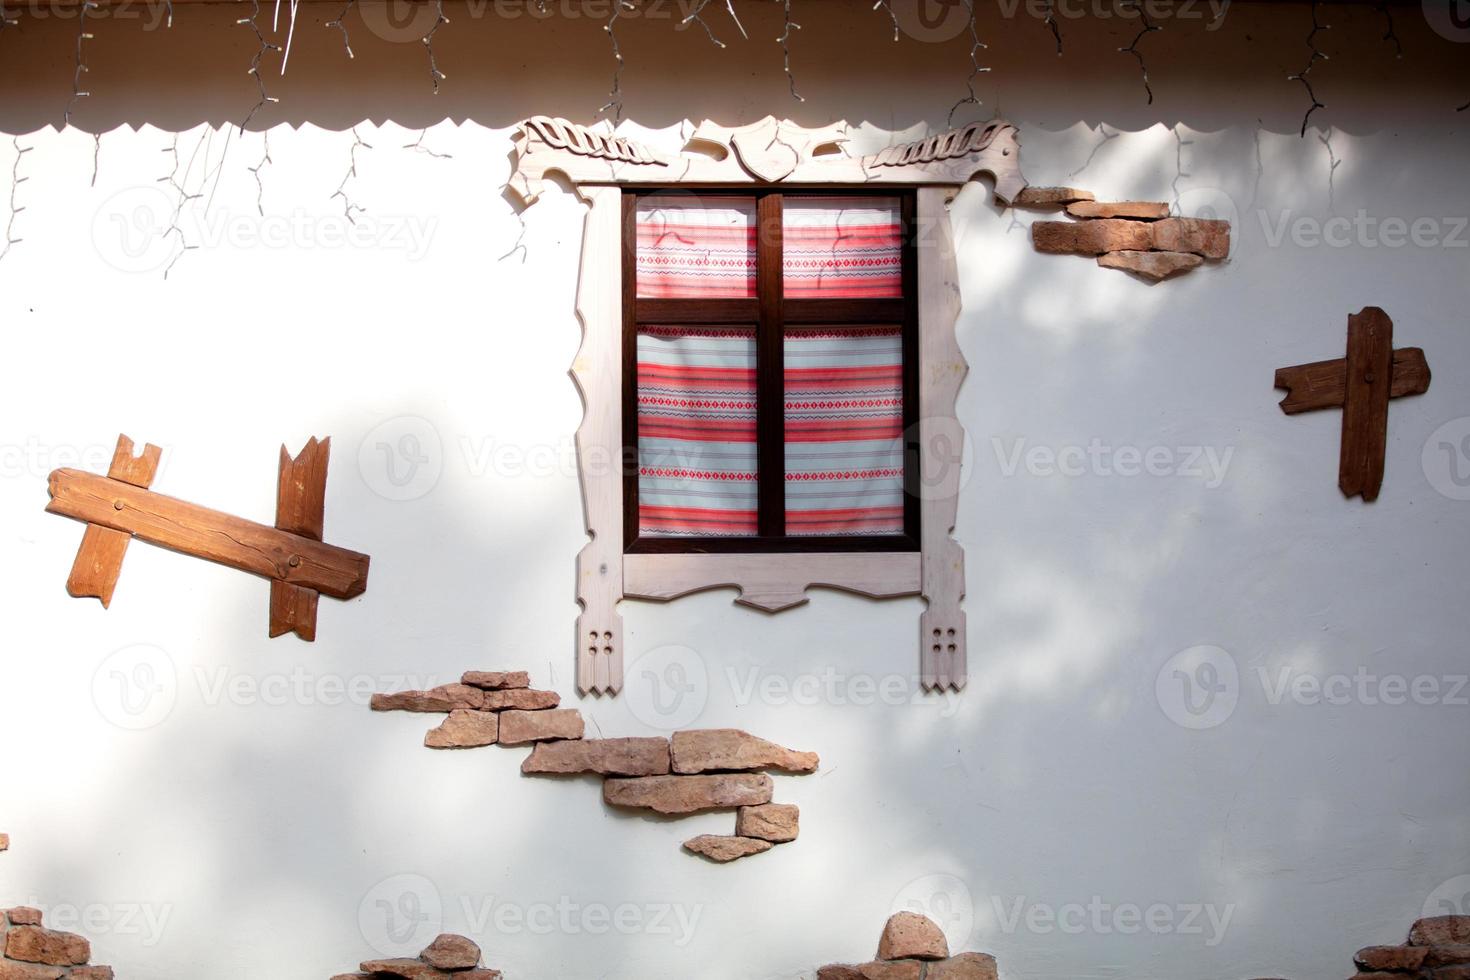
752 310
770 365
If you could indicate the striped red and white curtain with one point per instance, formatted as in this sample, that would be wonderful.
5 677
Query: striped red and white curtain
696 393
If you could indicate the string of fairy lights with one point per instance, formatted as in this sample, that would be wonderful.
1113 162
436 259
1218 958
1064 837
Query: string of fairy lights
1146 27
613 107
976 69
1317 55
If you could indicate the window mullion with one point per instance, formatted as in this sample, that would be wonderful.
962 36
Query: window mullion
770 370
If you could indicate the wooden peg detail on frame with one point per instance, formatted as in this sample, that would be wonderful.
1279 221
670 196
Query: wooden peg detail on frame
1361 384
121 506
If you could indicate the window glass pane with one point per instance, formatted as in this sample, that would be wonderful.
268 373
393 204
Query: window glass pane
696 431
842 247
844 430
696 247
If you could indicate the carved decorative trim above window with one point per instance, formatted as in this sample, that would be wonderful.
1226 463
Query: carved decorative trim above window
599 164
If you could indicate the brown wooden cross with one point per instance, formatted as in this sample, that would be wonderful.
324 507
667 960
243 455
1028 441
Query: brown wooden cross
1361 385
120 507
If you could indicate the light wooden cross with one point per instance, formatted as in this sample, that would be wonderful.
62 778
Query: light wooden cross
120 506
1361 385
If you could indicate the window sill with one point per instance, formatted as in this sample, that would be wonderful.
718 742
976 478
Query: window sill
772 582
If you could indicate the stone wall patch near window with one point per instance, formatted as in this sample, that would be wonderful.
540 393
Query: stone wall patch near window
1139 237
692 772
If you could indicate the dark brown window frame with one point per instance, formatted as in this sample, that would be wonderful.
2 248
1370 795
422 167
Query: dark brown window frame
771 313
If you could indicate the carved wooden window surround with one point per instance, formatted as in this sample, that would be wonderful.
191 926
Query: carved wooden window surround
600 166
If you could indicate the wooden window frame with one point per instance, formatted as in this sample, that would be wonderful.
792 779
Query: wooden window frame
600 165
772 314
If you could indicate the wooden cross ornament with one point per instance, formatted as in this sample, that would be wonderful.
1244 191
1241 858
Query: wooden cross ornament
120 507
1361 385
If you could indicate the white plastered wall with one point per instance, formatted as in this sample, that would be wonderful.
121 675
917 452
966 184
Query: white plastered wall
263 824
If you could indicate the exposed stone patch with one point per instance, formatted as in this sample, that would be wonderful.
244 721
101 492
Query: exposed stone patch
604 756
1137 210
521 699
445 698
28 971
913 947
775 822
726 849
1453 954
1441 930
881 970
910 936
718 767
451 952
1092 237
524 727
1209 237
29 951
965 966
1050 197
464 730
449 956
35 944
1134 236
1151 265
1438 948
689 794
495 680
1391 957
730 749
